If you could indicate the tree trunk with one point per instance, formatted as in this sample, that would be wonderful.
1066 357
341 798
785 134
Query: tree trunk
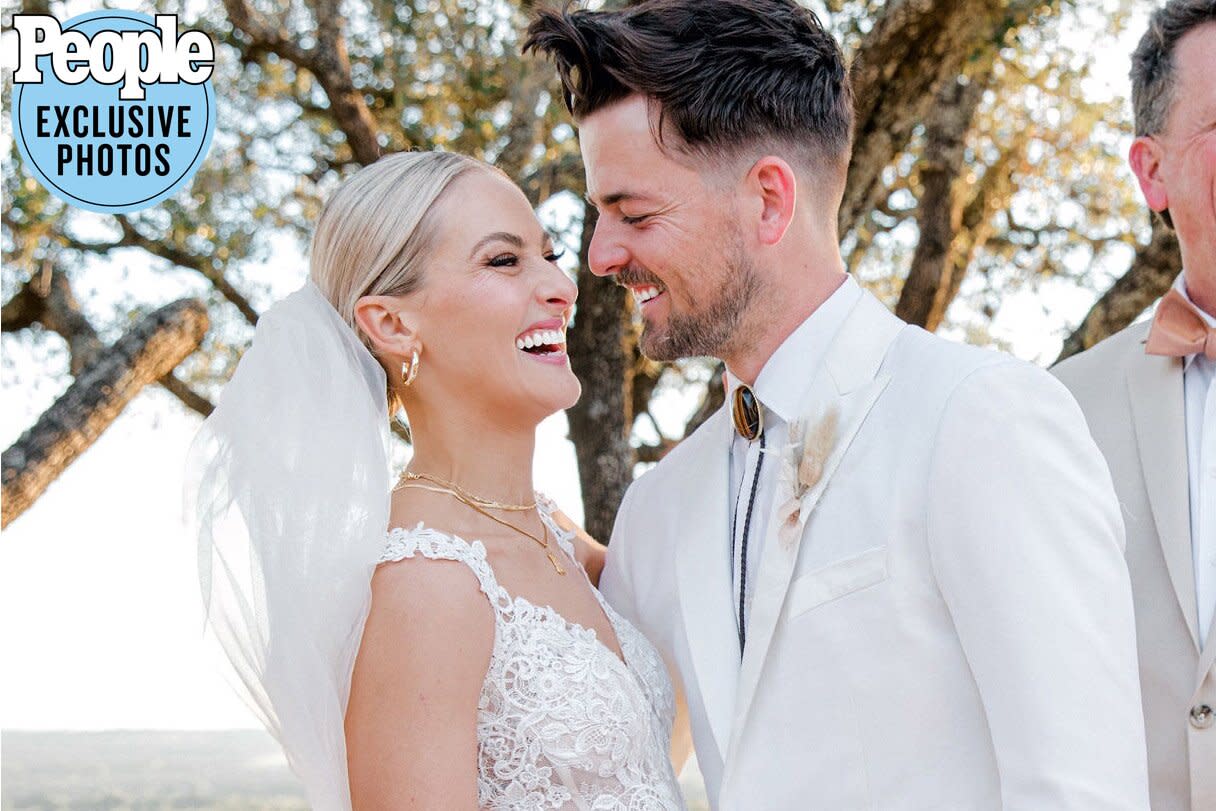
924 297
150 350
601 421
1150 276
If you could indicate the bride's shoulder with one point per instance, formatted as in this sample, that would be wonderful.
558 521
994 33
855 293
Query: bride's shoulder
425 570
408 573
427 541
416 548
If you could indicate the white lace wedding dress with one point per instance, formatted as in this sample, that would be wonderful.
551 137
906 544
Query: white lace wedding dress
562 723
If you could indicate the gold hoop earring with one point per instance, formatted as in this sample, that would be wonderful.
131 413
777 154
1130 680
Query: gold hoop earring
409 369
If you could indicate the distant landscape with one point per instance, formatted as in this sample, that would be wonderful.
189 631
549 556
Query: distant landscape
145 771
234 770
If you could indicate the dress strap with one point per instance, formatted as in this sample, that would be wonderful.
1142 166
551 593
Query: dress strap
436 545
565 537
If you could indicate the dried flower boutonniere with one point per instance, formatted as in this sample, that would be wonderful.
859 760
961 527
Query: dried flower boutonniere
801 469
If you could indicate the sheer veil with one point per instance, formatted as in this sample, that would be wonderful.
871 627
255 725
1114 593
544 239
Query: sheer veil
287 489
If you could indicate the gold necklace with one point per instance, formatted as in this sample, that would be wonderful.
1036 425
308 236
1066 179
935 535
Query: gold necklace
544 543
454 489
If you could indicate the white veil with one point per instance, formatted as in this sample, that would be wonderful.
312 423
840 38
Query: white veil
287 487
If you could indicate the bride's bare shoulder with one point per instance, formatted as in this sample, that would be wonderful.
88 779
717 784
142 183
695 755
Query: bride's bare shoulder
426 583
417 583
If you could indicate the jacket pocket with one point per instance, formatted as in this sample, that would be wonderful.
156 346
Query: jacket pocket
836 580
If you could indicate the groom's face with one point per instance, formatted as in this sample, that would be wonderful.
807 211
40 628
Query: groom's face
667 231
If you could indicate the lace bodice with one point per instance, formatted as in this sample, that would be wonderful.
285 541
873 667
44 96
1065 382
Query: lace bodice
562 722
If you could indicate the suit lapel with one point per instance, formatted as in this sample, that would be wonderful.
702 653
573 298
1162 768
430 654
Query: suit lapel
1207 657
703 573
1155 386
848 381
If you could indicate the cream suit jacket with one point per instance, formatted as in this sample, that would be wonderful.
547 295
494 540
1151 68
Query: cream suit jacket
953 628
1134 405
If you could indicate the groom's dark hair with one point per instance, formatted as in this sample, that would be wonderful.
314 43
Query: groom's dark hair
727 75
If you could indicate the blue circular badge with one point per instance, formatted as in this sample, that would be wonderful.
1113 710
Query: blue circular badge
87 144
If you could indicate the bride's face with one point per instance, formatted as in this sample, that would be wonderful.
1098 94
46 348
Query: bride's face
493 306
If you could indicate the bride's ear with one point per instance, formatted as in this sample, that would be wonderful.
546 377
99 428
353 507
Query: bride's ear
391 329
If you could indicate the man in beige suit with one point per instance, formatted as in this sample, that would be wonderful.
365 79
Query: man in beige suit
1148 396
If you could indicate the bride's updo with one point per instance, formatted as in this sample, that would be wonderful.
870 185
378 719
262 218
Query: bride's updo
375 228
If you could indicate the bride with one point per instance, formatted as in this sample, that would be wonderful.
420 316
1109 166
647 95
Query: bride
437 641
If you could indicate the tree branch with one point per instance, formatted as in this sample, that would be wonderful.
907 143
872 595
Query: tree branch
913 48
188 396
1152 272
263 34
551 177
328 61
202 264
47 299
654 453
151 349
27 305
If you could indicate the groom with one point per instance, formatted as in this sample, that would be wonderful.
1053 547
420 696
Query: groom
889 572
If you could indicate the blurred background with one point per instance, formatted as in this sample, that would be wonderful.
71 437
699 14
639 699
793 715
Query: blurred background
988 200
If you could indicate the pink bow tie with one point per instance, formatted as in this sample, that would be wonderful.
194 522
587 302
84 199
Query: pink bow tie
1179 330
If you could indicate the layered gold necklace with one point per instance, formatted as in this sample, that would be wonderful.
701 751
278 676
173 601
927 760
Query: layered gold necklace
410 479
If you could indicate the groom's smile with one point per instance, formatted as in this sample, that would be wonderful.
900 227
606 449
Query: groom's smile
645 293
644 286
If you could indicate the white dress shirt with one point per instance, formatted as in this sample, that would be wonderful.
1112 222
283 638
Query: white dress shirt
780 387
1200 397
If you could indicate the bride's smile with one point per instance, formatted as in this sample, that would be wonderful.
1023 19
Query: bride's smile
491 311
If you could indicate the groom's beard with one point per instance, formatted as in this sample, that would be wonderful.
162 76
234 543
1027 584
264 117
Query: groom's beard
716 324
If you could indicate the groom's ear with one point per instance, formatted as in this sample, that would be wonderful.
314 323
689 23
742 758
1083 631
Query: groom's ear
390 327
772 182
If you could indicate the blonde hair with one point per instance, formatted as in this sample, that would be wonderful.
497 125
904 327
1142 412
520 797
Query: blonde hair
375 229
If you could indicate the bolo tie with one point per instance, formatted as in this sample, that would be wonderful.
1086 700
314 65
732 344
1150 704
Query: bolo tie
749 423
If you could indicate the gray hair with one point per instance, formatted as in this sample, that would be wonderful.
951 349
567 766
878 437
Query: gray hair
1152 71
376 228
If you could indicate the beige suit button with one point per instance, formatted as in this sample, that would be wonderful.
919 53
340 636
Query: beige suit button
1202 716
